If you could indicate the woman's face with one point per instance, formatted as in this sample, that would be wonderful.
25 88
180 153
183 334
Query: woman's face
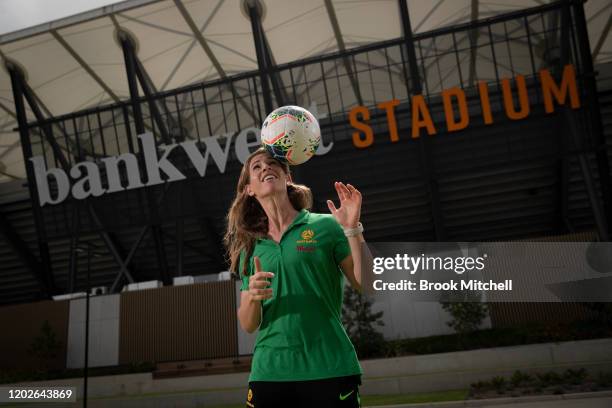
266 177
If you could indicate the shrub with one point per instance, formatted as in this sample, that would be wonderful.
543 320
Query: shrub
519 378
467 314
45 347
498 383
359 322
575 376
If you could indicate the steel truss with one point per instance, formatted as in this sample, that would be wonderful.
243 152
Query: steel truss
416 64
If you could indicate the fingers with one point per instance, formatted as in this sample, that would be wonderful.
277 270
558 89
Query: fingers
259 284
347 191
342 194
260 294
353 190
261 276
331 206
355 194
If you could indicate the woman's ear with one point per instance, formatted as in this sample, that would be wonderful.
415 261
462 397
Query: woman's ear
248 190
289 179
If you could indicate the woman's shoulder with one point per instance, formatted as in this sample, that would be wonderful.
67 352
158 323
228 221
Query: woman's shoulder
322 219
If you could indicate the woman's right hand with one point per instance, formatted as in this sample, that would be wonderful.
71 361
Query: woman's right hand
258 282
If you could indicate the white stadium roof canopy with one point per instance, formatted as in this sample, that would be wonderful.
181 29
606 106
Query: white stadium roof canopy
76 63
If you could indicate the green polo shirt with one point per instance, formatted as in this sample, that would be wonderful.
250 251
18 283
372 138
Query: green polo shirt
301 336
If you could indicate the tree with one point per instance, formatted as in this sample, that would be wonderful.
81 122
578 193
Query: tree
359 322
45 346
467 312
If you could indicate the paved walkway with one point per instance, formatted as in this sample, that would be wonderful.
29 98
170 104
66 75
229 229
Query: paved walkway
601 399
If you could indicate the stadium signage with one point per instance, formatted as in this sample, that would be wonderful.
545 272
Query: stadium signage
85 179
454 101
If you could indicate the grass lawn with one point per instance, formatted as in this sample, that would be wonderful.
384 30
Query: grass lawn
417 397
378 400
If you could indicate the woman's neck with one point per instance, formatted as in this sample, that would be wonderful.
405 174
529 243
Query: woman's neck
280 214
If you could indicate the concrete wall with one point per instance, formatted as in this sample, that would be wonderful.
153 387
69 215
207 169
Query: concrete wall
103 332
459 369
383 376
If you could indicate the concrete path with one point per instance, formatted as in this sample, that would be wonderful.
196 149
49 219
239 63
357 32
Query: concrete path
601 399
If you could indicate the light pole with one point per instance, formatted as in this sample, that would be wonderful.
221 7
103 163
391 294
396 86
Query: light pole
81 249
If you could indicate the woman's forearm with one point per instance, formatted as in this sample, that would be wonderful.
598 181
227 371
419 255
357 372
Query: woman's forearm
362 262
249 313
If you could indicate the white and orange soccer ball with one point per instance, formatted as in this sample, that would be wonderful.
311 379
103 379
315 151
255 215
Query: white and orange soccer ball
291 134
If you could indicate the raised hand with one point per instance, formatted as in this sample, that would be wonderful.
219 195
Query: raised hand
350 205
258 282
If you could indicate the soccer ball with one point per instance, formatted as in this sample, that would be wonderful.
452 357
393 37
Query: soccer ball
291 134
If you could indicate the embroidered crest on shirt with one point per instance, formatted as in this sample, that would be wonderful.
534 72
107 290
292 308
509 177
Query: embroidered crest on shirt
307 237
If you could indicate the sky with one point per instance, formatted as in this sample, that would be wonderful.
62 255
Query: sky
19 14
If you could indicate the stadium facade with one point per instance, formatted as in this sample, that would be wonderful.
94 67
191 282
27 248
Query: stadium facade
492 129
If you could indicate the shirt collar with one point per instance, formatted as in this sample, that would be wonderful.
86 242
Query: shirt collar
301 218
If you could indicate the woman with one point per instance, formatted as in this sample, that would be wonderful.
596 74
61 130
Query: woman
291 263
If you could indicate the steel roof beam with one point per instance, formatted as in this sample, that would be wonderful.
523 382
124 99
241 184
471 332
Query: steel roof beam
277 82
209 53
425 151
331 13
602 37
474 34
262 59
44 273
192 45
133 72
25 255
265 58
7 110
24 89
84 65
602 212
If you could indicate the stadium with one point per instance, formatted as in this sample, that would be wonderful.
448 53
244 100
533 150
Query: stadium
124 130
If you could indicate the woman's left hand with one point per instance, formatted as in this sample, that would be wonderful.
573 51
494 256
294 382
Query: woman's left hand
350 205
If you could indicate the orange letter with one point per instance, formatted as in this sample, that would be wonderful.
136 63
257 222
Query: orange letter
365 128
484 102
392 123
550 88
449 112
523 100
419 108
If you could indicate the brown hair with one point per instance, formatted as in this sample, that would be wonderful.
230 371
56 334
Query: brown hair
246 219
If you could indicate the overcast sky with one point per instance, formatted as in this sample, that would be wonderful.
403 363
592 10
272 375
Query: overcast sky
18 14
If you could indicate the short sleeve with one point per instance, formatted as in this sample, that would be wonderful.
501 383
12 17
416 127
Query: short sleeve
245 276
341 246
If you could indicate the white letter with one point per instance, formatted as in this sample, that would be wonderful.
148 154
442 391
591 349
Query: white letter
212 149
242 145
154 165
377 265
88 185
41 173
112 172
